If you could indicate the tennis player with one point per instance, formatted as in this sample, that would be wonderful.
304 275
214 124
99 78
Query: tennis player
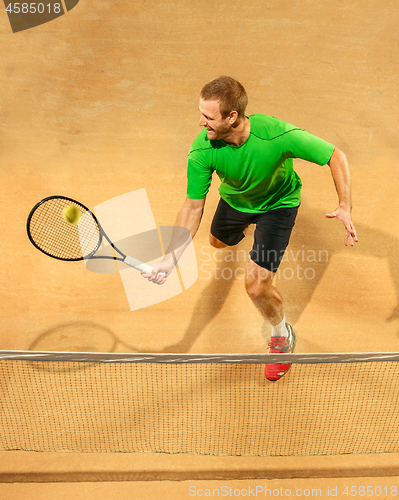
253 157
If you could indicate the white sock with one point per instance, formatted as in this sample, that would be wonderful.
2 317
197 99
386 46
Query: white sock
280 330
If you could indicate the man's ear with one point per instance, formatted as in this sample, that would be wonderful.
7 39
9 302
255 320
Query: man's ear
233 117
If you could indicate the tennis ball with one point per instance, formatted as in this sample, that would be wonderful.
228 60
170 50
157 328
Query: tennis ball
71 214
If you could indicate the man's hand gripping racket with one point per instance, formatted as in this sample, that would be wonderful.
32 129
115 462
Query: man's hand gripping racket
161 270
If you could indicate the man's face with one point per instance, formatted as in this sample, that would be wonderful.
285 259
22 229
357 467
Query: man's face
211 118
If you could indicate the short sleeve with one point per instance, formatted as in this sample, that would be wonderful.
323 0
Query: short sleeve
199 178
301 144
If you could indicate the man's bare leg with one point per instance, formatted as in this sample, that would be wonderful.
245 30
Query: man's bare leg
268 300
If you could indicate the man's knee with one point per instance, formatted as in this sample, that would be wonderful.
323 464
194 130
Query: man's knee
258 282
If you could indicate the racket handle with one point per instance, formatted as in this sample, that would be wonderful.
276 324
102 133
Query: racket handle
137 264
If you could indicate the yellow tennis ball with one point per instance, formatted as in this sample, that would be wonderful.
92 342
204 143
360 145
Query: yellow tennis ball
71 214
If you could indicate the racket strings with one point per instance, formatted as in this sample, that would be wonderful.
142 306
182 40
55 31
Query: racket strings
56 237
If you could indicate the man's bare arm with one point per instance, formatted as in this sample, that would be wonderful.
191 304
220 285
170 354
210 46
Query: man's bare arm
341 175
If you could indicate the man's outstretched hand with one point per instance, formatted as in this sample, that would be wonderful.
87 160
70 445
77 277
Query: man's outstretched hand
344 215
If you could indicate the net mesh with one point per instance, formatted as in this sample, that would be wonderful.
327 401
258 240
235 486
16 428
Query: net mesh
53 235
199 408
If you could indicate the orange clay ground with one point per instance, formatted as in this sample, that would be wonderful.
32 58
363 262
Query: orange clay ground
103 101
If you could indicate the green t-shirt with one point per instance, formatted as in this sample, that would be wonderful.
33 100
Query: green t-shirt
257 176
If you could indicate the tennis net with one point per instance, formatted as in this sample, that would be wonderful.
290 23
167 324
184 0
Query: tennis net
327 404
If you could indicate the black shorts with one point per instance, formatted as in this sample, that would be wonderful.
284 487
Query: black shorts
272 232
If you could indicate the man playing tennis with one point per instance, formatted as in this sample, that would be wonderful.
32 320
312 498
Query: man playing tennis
253 157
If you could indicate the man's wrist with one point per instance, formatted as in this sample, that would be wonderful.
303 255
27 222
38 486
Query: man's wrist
170 258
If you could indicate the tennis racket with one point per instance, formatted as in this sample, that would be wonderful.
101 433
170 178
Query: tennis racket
54 236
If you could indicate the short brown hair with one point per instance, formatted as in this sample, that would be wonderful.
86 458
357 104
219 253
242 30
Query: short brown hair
230 94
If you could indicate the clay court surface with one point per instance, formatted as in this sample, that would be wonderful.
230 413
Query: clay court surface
103 101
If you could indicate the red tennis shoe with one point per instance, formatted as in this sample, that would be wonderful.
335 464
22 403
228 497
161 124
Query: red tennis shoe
285 345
